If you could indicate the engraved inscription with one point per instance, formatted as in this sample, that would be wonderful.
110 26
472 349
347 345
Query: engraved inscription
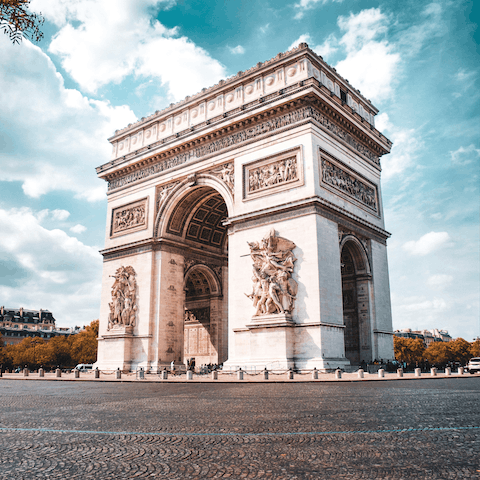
352 186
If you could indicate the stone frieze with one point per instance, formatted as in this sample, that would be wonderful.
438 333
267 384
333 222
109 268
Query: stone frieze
131 217
237 138
338 178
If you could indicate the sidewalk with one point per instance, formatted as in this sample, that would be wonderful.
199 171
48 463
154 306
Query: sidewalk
224 377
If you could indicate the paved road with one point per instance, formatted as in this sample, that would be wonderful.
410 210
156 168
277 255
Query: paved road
427 429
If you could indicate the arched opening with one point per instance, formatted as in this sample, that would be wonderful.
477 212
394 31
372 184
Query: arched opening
193 228
356 305
202 335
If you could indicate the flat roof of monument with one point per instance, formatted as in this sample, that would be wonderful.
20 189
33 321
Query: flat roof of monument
230 82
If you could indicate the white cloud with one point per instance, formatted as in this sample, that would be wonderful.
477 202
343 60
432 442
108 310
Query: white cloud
60 137
428 243
264 28
440 280
420 304
328 47
78 228
37 261
371 63
58 214
305 38
304 5
465 155
238 50
95 54
406 145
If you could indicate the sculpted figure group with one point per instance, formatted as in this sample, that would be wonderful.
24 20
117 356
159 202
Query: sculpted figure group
123 307
333 175
272 174
274 289
129 218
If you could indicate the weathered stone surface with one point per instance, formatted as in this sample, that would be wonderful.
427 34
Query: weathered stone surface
273 150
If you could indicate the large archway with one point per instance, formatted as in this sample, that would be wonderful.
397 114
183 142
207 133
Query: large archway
193 225
356 279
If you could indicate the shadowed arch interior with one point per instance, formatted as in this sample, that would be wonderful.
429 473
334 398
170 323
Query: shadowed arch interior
199 218
356 305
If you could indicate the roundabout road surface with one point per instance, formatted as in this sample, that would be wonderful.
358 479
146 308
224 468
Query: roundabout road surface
385 430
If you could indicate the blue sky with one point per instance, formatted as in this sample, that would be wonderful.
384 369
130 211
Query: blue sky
104 64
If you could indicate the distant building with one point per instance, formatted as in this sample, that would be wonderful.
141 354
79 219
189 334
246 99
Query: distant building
427 336
17 324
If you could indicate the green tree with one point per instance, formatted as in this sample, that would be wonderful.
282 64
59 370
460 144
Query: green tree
17 22
408 350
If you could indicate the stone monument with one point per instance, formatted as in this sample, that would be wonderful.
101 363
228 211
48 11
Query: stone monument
245 227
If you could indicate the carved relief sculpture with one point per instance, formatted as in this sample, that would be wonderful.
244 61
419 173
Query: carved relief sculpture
336 177
226 173
274 289
163 192
123 307
273 173
244 136
130 217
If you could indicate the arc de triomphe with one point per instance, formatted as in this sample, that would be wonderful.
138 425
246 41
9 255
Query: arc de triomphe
245 227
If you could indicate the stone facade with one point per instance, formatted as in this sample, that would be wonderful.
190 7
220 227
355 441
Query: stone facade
250 218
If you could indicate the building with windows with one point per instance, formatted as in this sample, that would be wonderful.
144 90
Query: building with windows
19 323
427 336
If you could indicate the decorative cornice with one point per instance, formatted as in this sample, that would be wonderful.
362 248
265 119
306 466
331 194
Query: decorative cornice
288 120
302 50
307 207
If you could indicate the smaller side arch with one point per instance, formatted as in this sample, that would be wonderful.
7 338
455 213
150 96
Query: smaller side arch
213 281
358 252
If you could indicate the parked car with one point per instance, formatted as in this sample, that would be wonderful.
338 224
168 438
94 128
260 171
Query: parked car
473 365
84 367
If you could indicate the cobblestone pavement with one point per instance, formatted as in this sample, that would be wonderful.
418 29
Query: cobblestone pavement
427 429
